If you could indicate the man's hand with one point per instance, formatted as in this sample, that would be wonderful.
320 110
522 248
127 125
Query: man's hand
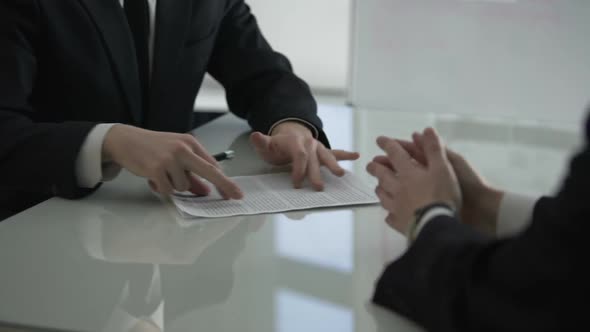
406 185
481 201
169 161
291 142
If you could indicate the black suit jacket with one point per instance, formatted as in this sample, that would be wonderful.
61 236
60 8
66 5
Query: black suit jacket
456 279
66 65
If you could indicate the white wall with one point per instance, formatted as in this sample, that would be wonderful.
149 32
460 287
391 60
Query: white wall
515 58
314 34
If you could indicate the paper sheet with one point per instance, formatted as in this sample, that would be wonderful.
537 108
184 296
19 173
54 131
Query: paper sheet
271 193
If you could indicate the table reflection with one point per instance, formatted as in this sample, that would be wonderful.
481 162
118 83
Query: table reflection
173 265
295 312
121 269
328 244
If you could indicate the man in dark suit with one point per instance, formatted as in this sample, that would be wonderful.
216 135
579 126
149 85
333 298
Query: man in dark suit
457 276
91 86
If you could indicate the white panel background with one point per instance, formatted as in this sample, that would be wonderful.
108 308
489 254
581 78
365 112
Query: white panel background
523 58
313 34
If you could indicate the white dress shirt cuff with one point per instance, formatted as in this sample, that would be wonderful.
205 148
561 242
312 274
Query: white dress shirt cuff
313 128
515 214
428 217
90 170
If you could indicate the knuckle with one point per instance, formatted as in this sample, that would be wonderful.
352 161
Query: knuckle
379 171
161 163
153 169
309 141
301 154
389 184
435 147
159 169
166 161
179 147
187 138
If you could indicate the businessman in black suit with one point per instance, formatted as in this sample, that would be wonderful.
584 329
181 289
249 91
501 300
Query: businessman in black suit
456 275
91 86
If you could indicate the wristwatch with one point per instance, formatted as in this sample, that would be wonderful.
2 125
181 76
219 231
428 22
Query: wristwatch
421 212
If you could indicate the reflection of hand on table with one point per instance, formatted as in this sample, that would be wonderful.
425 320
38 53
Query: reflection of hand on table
162 256
156 238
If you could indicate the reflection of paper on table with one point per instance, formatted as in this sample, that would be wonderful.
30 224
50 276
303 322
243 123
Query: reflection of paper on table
271 193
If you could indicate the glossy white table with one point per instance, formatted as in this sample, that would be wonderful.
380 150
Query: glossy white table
121 255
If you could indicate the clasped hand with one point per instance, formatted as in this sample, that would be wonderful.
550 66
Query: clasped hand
415 173
412 176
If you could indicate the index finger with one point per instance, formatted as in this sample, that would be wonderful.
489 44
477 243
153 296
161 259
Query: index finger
198 165
200 150
400 158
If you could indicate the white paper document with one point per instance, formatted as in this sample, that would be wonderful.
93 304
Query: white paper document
271 193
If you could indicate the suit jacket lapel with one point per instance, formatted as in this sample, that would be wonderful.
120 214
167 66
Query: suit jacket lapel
112 24
172 21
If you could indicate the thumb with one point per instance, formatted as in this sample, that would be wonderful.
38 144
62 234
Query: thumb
260 141
456 160
433 146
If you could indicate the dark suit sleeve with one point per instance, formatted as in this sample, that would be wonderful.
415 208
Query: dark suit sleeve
455 279
34 156
260 84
